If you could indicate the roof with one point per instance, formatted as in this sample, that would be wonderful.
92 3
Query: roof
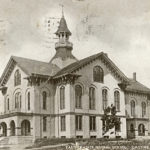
76 65
63 27
135 86
33 66
29 66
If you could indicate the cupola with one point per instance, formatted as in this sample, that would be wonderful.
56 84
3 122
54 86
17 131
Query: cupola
63 56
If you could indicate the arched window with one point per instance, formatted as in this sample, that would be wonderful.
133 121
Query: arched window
62 97
105 98
98 74
44 123
131 128
143 109
28 96
17 78
18 100
117 100
91 98
7 104
25 128
141 130
44 95
132 108
78 96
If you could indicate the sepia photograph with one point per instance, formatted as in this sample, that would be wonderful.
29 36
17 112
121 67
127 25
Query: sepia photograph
75 74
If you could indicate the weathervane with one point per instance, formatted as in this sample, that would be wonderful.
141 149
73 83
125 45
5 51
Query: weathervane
62 9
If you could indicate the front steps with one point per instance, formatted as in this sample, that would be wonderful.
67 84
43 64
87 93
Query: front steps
16 140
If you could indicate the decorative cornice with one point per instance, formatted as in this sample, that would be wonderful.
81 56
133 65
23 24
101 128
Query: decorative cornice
137 92
36 79
3 89
122 85
51 115
7 72
66 78
138 119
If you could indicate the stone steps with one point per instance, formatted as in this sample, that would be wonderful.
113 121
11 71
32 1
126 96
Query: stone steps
16 140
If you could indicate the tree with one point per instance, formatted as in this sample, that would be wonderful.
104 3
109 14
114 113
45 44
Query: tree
110 120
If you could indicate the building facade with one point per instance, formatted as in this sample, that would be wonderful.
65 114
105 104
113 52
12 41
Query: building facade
66 97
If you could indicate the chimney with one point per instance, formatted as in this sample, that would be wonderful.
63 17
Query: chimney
134 76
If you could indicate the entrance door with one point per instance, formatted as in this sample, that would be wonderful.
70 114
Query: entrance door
4 128
141 130
25 128
12 128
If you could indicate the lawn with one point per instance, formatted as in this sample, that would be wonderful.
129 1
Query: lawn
92 144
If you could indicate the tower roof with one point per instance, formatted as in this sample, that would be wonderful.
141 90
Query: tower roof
62 27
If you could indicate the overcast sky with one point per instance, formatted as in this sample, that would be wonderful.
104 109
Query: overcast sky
120 28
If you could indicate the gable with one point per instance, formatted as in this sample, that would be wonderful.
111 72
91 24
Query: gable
29 66
86 73
11 81
86 61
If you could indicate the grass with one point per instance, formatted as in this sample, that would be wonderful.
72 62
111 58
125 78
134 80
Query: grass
92 144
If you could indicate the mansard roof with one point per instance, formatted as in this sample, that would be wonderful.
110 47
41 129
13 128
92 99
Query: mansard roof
29 66
135 86
79 64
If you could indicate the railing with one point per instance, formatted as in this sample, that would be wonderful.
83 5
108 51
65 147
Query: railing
68 44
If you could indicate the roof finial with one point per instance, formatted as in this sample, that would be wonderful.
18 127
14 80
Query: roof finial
62 10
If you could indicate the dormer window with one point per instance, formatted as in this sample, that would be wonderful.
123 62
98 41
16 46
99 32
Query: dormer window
98 74
17 78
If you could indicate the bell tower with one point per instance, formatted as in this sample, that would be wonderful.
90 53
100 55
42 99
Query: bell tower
64 47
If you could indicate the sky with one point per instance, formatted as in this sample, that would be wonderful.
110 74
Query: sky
120 28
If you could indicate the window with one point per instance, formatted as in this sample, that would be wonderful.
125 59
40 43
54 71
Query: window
143 109
18 100
44 94
105 98
28 96
117 126
44 123
62 97
78 122
141 130
132 108
17 78
91 98
117 100
92 122
103 126
7 103
79 136
98 74
131 128
63 123
78 96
